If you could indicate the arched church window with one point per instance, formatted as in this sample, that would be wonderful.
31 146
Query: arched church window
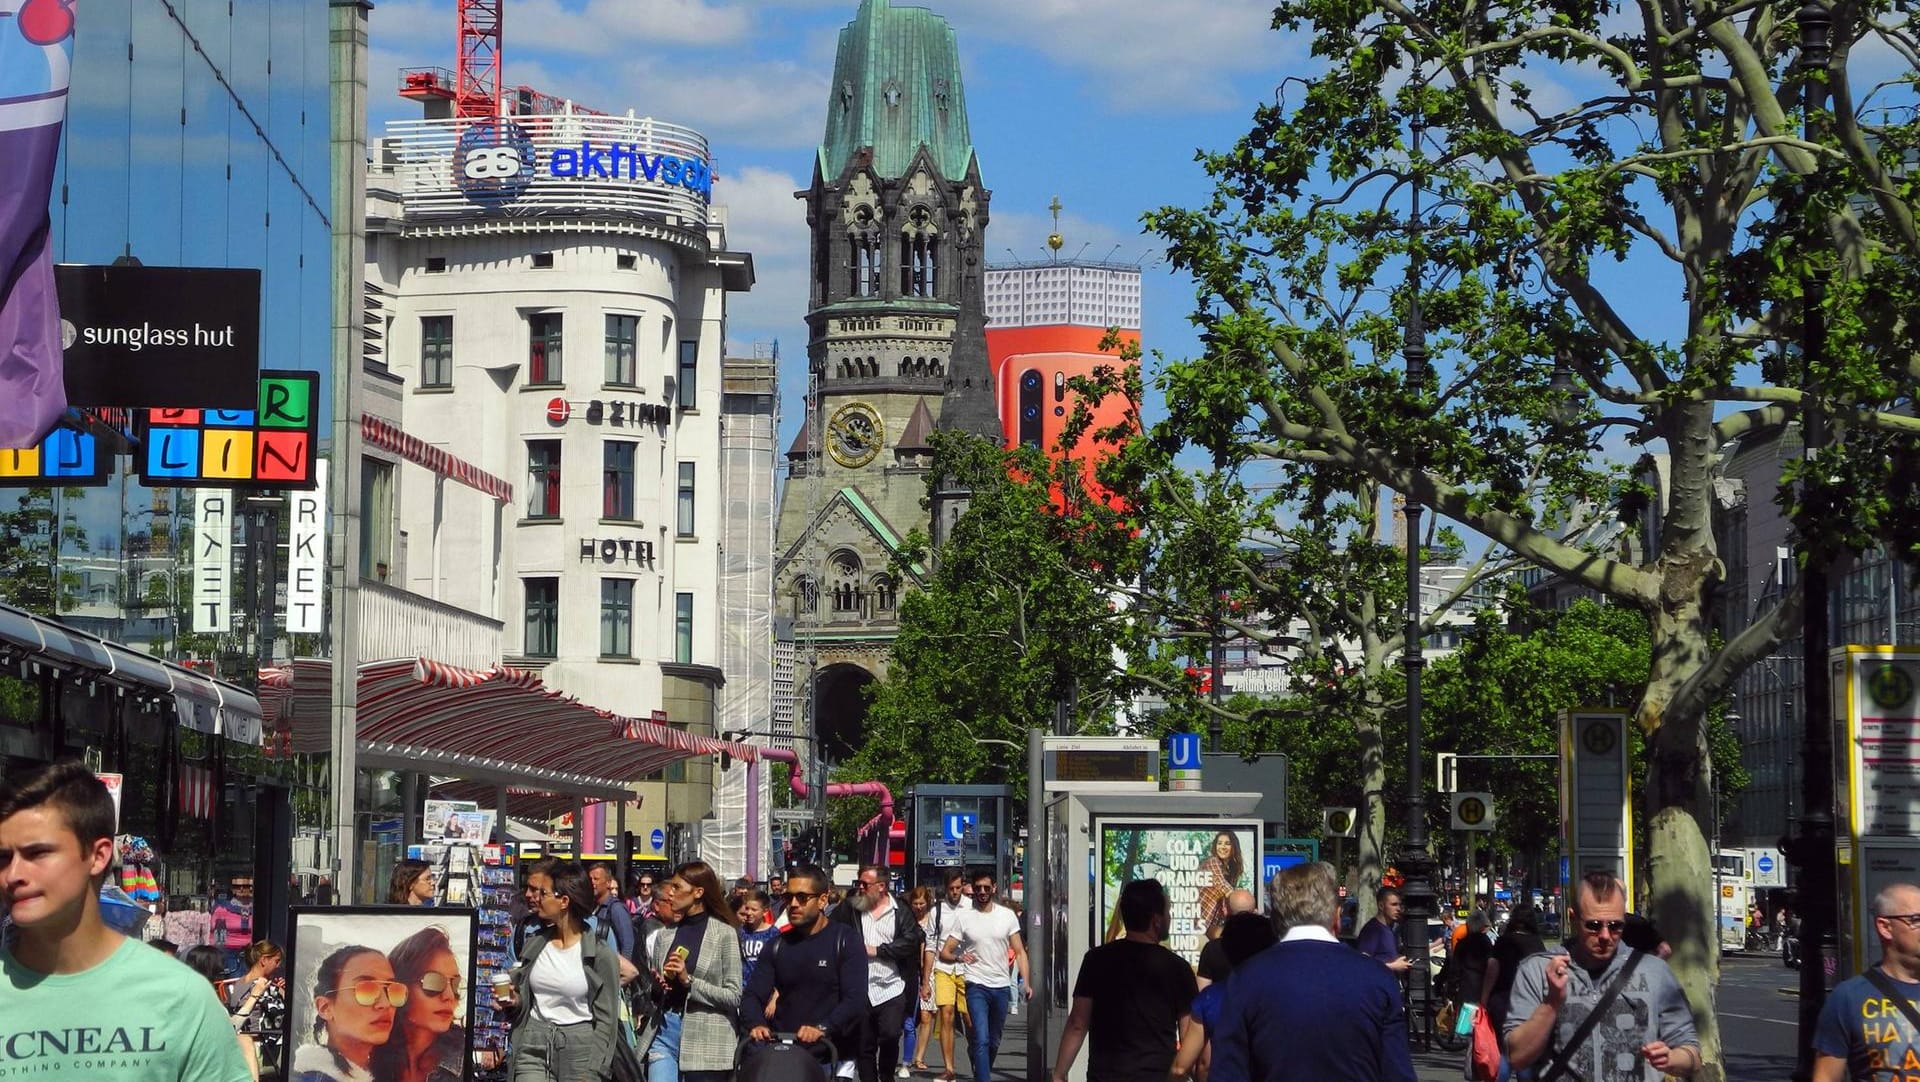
885 593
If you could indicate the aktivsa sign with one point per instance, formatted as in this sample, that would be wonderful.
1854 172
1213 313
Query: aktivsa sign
495 163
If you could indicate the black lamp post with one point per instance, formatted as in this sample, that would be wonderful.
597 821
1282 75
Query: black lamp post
1416 867
1812 849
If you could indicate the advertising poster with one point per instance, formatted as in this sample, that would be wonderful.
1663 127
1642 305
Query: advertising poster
372 983
1199 862
442 819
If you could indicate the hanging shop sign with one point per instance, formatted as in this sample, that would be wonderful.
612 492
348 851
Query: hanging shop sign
307 556
623 550
160 336
212 561
271 445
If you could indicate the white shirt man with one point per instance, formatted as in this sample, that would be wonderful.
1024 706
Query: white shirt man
984 939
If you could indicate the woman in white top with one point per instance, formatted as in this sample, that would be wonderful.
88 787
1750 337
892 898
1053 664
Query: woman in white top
564 1006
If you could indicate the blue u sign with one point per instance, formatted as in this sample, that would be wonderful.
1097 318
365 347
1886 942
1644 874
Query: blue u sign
1183 751
955 825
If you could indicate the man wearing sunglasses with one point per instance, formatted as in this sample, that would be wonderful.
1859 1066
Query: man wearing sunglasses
984 938
1648 1023
818 968
1867 1029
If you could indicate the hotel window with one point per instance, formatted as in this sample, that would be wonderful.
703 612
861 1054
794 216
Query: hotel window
683 628
687 380
623 336
683 518
617 480
616 617
543 618
436 351
376 519
543 347
543 478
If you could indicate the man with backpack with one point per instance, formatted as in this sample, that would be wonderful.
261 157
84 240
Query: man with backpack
819 969
1561 1000
1857 1036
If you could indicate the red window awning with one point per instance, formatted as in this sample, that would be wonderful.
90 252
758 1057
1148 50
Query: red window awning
385 436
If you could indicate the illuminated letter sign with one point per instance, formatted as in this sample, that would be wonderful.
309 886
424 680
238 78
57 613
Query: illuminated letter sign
269 447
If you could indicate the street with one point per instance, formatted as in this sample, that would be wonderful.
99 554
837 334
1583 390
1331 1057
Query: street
1757 1020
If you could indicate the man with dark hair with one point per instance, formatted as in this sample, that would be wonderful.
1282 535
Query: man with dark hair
1554 993
1309 1009
1377 940
78 999
1131 998
892 942
819 969
983 938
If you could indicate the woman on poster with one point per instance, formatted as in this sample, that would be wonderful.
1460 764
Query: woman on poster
428 1044
1220 874
355 999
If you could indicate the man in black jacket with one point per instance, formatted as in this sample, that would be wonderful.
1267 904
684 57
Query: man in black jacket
894 943
818 968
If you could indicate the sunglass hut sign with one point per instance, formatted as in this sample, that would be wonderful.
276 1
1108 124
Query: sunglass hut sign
495 163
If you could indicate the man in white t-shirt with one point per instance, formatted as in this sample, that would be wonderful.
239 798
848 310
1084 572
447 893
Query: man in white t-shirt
894 943
985 938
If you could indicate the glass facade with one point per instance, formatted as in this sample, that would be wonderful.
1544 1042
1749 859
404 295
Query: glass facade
196 136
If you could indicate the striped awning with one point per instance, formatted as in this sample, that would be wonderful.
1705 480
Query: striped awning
385 436
499 718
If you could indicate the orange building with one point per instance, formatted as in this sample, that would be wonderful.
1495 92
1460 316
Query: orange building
1045 322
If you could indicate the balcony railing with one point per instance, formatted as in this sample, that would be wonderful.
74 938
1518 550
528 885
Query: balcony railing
395 623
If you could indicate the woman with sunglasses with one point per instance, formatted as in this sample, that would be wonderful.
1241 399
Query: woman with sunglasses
355 999
564 1005
696 974
428 1043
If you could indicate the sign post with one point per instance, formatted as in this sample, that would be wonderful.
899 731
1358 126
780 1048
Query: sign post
1183 761
1876 786
1595 796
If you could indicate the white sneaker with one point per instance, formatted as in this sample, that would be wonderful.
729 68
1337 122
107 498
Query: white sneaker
903 1072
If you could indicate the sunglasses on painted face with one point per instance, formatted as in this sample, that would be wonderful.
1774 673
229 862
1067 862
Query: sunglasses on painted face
435 984
366 992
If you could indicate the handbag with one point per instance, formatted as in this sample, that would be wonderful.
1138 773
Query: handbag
1483 1055
1448 1016
626 1064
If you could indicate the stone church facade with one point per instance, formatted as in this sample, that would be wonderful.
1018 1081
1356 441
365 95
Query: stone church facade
896 347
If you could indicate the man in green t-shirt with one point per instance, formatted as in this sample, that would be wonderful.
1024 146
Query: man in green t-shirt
78 999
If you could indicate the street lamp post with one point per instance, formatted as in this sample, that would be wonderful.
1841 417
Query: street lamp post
1416 867
1812 849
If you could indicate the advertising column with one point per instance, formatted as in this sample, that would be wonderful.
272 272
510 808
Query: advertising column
1878 756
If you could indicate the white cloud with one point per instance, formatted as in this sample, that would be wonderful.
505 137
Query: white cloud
765 219
596 28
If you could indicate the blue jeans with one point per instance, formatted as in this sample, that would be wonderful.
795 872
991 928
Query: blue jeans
663 1055
988 1007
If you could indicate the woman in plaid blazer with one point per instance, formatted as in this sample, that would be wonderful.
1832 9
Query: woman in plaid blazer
696 973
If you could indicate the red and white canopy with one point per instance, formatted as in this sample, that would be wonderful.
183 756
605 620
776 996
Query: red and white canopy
502 719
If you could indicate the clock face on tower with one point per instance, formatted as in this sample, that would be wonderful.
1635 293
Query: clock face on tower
854 435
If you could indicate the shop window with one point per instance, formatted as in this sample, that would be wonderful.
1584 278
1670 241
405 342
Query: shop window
436 351
683 628
623 337
683 517
616 617
543 478
543 347
543 618
617 480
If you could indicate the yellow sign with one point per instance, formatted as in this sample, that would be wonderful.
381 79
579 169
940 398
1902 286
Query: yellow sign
1726 891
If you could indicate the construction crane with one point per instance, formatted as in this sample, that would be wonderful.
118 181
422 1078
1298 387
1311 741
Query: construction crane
474 87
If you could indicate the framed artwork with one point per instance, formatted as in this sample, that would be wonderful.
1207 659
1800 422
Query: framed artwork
370 988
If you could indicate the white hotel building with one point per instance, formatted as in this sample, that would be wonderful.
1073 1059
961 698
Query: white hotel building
564 333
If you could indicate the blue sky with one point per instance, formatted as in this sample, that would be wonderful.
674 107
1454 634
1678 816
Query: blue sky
1101 102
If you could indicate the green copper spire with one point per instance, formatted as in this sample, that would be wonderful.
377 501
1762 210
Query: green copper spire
896 85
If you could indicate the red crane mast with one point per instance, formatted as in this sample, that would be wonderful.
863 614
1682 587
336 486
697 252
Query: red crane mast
476 87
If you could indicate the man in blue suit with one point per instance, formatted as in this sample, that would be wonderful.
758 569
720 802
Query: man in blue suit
1310 1008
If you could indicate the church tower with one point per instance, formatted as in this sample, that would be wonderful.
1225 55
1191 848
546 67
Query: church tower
896 347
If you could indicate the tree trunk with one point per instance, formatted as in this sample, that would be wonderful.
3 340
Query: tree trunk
1369 862
1680 806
